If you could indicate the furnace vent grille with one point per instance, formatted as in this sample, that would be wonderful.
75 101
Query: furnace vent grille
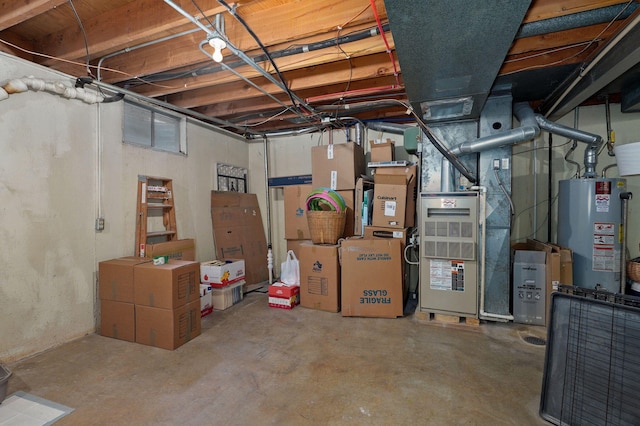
447 239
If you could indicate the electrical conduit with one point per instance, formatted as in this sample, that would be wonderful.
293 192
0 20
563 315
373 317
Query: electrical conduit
483 223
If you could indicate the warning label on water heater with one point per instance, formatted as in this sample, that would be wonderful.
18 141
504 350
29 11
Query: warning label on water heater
604 256
603 196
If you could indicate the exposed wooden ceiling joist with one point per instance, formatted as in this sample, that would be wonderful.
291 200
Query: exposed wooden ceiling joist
178 72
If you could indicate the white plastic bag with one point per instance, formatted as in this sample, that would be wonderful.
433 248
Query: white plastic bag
290 270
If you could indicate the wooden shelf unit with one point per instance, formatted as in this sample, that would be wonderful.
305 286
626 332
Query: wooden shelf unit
155 210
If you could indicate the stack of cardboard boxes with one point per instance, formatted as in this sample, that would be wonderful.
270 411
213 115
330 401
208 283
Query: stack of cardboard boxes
156 305
373 268
335 166
369 281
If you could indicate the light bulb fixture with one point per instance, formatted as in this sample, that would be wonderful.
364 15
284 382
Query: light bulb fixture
218 44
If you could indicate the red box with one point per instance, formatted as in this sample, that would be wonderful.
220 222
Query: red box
284 296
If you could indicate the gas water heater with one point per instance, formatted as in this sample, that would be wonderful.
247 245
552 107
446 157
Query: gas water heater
590 222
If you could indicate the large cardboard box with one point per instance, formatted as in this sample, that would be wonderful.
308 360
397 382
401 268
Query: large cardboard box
168 328
319 277
389 201
295 246
118 320
167 286
296 226
177 250
337 166
238 232
115 278
382 150
410 173
372 278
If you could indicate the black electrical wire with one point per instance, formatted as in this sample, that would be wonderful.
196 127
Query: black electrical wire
202 13
84 36
264 49
550 184
293 49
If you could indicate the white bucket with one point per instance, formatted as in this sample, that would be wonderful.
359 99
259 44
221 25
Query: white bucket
628 158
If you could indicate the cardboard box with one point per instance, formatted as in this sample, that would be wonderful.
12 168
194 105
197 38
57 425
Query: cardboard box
389 201
284 296
206 303
319 277
238 232
382 150
118 320
115 278
410 173
167 286
337 166
363 200
226 297
553 267
222 272
372 279
168 328
295 246
296 226
177 250
383 232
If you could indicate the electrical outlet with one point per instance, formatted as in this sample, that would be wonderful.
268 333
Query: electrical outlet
496 164
100 224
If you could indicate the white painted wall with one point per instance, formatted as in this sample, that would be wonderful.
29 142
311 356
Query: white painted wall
63 163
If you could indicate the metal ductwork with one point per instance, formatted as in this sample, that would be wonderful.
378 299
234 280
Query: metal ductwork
527 131
530 126
450 52
593 141
381 126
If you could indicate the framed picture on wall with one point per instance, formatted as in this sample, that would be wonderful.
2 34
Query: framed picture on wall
231 178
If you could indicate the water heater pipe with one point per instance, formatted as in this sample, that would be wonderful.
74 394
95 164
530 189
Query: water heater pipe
593 141
381 126
528 130
625 197
483 223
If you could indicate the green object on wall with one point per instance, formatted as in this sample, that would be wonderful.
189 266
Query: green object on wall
411 139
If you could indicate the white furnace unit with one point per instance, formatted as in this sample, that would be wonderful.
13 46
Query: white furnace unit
449 253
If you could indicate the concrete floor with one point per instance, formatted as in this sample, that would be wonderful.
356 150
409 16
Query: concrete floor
259 365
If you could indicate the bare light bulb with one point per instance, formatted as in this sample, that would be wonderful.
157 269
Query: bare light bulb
218 44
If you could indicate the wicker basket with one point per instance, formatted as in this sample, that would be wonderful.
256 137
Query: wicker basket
633 269
326 227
